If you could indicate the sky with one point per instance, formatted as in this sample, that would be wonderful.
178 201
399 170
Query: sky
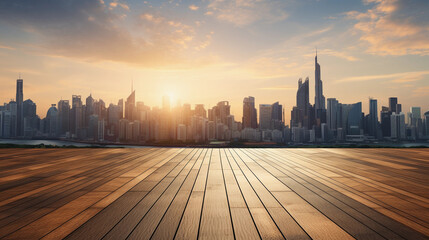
215 50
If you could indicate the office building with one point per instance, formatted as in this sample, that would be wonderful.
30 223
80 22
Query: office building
249 113
19 108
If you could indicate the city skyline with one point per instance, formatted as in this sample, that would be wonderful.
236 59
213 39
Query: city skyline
237 111
203 51
135 122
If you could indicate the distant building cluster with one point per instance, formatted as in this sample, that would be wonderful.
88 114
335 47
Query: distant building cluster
134 122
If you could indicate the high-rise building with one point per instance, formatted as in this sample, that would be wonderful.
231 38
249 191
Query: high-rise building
93 127
415 115
397 122
30 118
181 132
63 117
265 116
121 108
300 115
277 116
19 108
426 123
319 99
398 108
52 121
200 111
130 106
332 112
89 109
5 123
76 115
220 112
13 108
393 102
351 118
249 113
385 121
373 118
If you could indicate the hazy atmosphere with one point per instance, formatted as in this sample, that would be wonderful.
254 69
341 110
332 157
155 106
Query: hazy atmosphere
208 51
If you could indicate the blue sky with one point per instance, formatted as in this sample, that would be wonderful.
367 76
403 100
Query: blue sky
213 50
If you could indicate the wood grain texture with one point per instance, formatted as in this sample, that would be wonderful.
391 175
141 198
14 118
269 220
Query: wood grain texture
219 193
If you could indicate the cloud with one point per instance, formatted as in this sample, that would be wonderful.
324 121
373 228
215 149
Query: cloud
403 77
421 91
115 3
6 47
193 7
241 13
394 27
338 54
89 30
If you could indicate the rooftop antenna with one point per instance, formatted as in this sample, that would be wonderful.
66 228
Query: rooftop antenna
132 87
19 75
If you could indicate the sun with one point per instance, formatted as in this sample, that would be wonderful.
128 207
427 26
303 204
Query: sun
172 95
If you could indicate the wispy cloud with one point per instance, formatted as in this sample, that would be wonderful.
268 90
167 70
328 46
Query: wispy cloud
421 91
241 13
91 30
338 54
394 27
116 3
193 7
394 77
6 47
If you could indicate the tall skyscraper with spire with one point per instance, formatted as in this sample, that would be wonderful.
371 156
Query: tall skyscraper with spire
19 102
319 99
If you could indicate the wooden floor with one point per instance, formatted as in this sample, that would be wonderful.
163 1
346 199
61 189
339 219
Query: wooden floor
185 193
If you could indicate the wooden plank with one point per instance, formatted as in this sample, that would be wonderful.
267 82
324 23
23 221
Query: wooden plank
184 193
216 219
190 222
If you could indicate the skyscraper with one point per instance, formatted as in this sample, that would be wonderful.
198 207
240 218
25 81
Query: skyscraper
373 117
89 110
397 126
277 116
130 105
398 108
63 117
385 121
76 115
415 115
393 102
354 119
301 114
30 118
221 111
200 110
13 108
52 121
121 108
319 99
332 112
265 116
249 113
426 123
19 108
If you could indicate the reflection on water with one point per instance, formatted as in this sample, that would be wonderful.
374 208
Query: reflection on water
45 142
